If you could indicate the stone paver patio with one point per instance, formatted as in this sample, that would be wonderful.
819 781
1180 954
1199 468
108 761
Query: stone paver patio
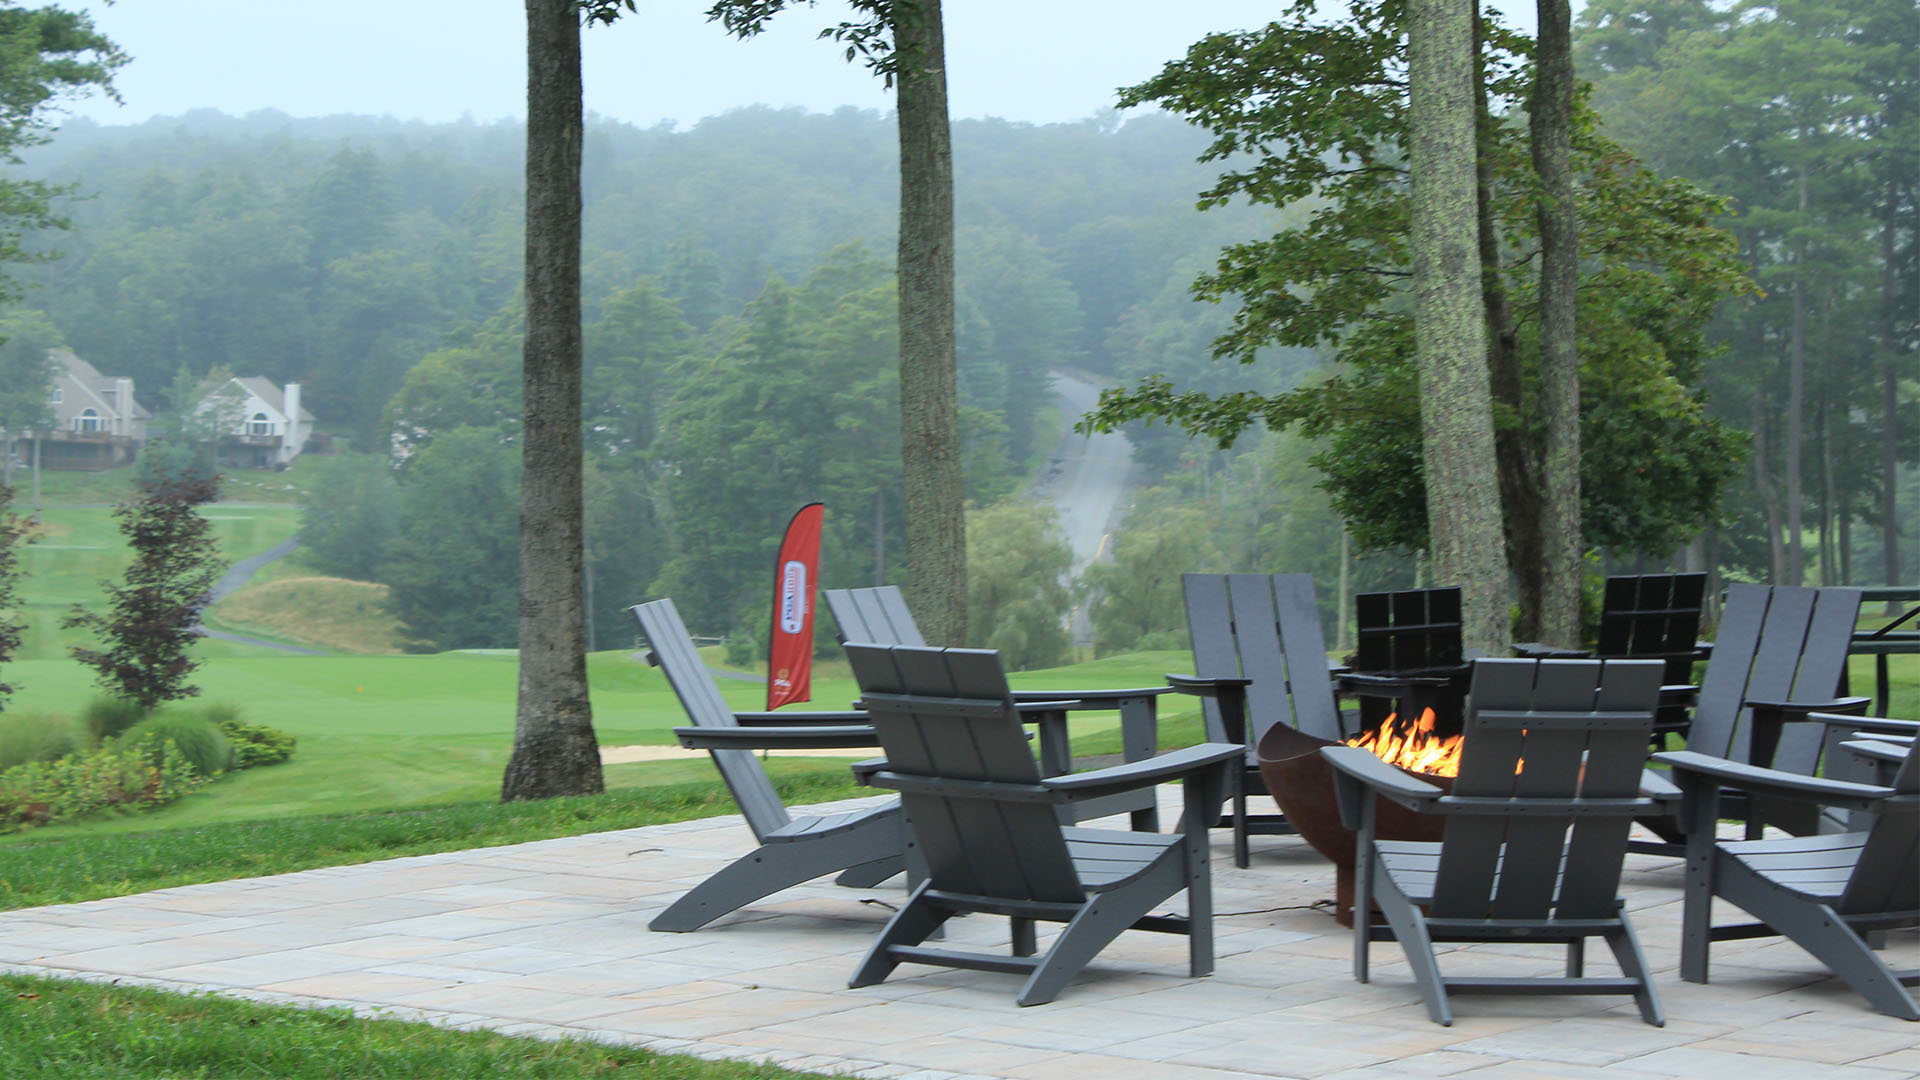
550 939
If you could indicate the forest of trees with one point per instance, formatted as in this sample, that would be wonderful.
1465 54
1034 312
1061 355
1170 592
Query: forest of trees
1750 324
739 336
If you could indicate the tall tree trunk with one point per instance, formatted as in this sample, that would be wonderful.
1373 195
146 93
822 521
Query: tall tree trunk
1796 403
1450 333
929 427
1551 118
1517 464
879 536
554 749
1889 402
1833 501
1769 498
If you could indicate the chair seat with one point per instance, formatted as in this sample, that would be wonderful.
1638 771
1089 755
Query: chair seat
1817 866
816 825
1413 864
1107 858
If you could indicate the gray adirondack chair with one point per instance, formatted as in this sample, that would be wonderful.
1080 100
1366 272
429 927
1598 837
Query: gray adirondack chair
865 847
1824 892
1259 659
987 824
1649 617
879 616
1769 696
1535 835
1413 638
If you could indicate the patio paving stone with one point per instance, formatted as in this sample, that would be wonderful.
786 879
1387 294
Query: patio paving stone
549 939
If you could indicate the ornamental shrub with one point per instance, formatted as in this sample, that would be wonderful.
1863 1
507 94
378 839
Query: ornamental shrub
253 744
106 716
42 792
28 737
200 742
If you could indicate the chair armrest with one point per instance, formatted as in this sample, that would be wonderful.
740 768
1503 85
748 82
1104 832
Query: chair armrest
1045 705
852 736
799 719
1536 650
947 787
1657 787
1171 765
1353 764
1770 719
1089 699
1207 687
865 768
1798 710
1879 749
1694 771
1879 725
1369 685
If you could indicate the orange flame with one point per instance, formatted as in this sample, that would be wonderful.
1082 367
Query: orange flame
1413 745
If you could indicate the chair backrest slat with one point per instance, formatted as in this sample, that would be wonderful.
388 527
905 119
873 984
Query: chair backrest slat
877 614
674 651
1310 682
1265 628
1775 643
1409 630
1210 630
1582 731
947 713
1651 615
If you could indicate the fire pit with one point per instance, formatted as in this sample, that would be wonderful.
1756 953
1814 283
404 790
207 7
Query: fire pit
1302 783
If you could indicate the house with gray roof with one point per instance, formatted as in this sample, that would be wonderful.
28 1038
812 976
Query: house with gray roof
260 425
97 422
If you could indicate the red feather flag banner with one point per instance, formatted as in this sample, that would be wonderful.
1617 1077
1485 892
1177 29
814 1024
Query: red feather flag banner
790 646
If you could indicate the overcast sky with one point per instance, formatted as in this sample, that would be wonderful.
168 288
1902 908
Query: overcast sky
1039 61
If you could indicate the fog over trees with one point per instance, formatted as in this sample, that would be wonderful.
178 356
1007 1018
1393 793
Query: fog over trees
1749 278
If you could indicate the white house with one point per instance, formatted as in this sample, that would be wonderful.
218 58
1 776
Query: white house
262 426
97 423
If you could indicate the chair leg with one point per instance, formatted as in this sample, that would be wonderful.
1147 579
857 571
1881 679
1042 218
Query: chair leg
1411 928
1102 919
1633 964
1696 912
1363 900
911 925
1024 941
772 867
1242 854
1576 957
1200 920
1817 929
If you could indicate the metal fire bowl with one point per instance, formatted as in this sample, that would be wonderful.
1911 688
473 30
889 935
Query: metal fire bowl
1301 781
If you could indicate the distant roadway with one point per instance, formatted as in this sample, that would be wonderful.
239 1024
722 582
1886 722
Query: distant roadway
1086 481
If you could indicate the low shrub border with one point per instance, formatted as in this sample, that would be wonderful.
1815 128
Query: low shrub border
143 768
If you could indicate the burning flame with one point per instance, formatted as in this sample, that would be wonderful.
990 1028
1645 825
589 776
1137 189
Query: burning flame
1413 745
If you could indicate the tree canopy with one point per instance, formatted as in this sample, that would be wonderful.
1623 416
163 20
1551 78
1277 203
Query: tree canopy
1313 114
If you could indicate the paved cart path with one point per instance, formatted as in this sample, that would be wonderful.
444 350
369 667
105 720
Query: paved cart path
236 578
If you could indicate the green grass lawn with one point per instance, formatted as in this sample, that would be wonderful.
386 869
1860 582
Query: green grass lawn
393 731
85 1031
76 548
